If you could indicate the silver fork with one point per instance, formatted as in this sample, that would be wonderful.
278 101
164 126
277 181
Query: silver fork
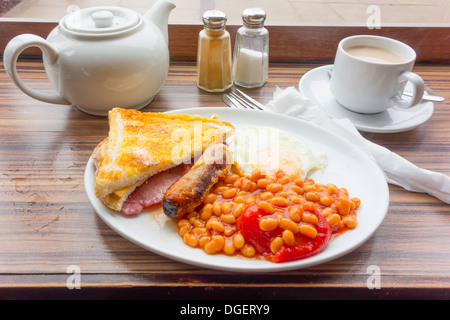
240 100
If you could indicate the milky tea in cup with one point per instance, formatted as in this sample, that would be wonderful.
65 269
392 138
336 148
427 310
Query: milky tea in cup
370 73
375 54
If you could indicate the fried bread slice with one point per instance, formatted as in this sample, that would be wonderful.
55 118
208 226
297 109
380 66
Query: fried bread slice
142 144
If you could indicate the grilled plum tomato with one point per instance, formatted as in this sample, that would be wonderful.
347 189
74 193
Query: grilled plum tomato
301 246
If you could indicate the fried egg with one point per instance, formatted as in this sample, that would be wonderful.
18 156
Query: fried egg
270 149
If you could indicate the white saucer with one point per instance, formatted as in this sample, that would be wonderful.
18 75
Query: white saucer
315 86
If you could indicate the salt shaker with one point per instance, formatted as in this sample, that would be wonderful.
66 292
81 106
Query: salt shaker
251 50
214 63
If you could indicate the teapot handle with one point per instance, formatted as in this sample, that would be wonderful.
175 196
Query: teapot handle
11 54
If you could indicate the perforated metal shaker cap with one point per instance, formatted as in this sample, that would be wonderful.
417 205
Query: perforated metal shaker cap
214 19
254 17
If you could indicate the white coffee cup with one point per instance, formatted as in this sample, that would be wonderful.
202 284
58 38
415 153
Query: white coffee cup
370 73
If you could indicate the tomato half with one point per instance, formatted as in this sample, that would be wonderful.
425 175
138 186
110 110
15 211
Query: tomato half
248 225
304 247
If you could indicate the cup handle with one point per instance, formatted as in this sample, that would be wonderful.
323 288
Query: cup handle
418 90
11 54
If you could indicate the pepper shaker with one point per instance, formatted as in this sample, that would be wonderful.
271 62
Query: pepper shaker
214 61
251 50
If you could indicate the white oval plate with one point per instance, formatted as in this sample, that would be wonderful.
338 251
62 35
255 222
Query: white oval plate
347 167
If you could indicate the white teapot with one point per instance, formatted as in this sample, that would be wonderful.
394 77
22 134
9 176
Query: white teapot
101 57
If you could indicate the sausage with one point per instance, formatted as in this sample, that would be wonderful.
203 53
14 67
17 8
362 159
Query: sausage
189 191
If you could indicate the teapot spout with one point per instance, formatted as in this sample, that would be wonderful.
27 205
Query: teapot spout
159 16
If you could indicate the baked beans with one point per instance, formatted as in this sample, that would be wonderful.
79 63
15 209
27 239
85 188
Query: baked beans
290 204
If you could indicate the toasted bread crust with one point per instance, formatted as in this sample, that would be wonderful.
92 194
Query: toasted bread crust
141 144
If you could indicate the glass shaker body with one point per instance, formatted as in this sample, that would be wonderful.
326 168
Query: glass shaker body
214 59
251 56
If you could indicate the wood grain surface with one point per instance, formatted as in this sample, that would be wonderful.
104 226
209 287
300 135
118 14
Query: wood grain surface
47 223
311 43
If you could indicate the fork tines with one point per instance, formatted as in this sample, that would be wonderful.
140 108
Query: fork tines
245 101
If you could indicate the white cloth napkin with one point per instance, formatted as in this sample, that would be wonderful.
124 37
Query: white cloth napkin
397 170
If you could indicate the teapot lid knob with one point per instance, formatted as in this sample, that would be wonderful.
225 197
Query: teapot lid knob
103 18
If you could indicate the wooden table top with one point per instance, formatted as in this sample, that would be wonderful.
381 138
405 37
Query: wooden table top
47 224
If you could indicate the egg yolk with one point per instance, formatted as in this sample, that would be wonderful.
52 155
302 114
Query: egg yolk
287 161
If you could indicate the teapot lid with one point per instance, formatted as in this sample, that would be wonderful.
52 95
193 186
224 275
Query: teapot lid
98 21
